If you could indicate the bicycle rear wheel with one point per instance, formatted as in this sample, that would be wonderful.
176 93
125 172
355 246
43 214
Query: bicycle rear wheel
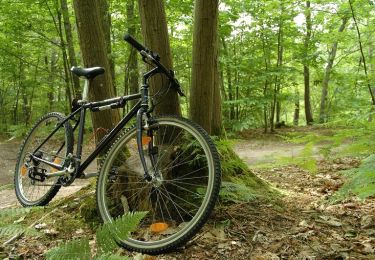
185 170
31 188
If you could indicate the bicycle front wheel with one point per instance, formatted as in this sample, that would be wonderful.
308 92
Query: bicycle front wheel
185 169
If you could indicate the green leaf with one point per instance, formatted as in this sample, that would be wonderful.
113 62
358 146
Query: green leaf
118 229
76 249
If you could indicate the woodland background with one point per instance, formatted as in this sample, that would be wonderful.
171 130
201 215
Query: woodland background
294 80
300 62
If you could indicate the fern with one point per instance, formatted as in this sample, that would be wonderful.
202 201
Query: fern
80 249
13 212
118 229
235 192
76 249
11 230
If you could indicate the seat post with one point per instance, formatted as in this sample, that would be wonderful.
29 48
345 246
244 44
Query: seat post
85 92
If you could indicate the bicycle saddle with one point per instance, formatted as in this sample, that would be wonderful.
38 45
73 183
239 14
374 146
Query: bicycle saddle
88 73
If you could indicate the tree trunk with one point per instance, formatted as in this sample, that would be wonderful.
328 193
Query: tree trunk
296 109
106 23
265 88
362 54
155 34
70 46
327 75
51 66
94 53
306 66
217 125
202 95
67 74
275 106
132 80
229 77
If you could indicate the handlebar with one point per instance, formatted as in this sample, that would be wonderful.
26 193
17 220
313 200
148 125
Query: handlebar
146 53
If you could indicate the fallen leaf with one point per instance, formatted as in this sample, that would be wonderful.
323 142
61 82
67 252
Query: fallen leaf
367 221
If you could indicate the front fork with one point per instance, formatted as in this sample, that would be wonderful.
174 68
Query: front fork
141 126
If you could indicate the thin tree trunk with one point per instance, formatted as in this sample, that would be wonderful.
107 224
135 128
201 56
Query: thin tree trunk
362 54
51 78
133 81
229 78
306 66
70 44
93 48
280 50
155 34
296 109
217 116
327 74
265 88
67 74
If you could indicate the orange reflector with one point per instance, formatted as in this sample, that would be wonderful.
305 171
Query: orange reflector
158 227
146 140
23 171
56 161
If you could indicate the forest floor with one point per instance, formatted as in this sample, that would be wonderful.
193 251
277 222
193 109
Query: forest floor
303 224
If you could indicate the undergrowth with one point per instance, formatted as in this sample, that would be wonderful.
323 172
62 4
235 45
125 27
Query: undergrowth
239 183
334 140
360 181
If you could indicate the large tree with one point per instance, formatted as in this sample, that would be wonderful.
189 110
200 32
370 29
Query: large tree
205 90
94 53
155 34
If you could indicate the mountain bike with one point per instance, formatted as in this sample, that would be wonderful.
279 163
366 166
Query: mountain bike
167 166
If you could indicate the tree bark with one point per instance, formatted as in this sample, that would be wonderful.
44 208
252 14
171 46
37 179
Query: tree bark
132 82
94 53
203 87
67 74
276 103
327 75
306 66
217 125
296 109
106 23
70 46
155 34
229 78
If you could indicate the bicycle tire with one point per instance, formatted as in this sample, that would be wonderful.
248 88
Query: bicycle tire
202 214
51 187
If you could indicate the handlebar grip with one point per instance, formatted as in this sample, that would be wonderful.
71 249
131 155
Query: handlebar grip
134 43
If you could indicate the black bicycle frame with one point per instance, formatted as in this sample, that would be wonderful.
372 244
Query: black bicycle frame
94 106
138 110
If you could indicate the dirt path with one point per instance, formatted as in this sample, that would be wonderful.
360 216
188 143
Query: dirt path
8 157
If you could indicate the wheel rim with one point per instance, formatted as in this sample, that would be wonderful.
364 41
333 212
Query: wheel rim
29 191
175 202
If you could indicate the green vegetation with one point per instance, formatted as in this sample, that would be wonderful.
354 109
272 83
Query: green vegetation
360 181
239 183
80 249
